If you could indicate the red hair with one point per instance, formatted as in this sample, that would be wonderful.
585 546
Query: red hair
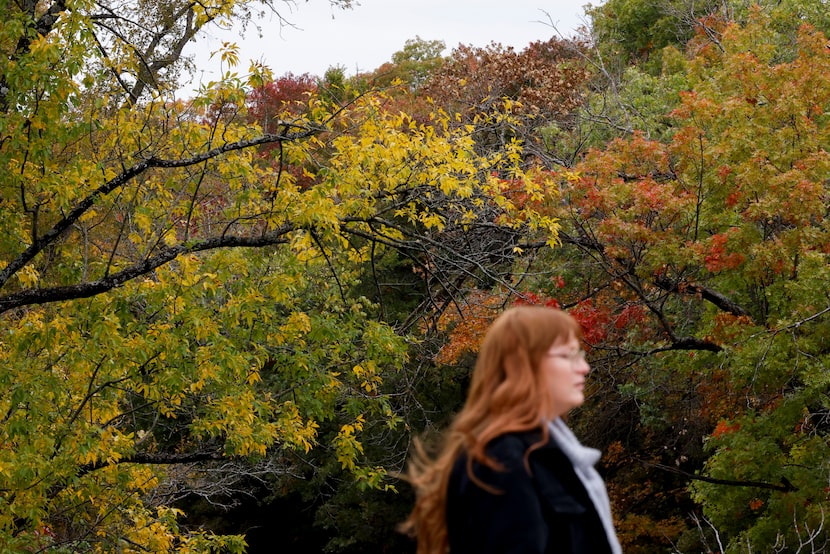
507 394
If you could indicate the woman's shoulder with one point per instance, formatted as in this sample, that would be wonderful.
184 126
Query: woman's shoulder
509 442
509 450
518 442
503 448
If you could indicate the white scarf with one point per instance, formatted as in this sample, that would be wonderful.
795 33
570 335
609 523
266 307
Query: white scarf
583 460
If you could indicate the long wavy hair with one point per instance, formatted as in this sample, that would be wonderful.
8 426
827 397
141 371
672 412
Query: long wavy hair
507 394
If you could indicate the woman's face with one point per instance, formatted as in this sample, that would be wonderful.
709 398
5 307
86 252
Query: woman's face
564 370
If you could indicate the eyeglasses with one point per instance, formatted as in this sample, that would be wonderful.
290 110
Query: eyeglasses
573 357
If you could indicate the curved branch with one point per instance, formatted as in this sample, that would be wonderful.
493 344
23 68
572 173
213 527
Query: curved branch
664 283
149 70
590 244
710 295
131 173
85 290
785 486
158 458
687 343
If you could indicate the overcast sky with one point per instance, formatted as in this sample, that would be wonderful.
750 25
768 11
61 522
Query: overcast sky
365 36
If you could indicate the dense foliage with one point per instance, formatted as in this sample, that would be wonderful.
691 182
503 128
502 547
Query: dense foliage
218 309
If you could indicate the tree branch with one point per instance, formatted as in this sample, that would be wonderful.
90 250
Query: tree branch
43 26
85 290
132 172
687 343
590 244
158 458
785 486
713 296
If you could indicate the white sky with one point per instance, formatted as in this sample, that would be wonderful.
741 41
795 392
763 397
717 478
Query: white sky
365 36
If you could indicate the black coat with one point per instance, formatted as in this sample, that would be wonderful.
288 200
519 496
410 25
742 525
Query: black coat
543 513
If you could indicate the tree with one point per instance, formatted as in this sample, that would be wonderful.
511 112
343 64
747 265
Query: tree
631 31
180 313
543 83
475 79
701 263
412 65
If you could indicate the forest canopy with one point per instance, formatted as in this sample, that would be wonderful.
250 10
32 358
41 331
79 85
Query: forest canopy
256 297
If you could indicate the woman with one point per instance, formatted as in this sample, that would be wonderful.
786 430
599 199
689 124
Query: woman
511 477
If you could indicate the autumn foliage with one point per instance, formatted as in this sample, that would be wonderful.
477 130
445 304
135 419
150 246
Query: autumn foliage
263 293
